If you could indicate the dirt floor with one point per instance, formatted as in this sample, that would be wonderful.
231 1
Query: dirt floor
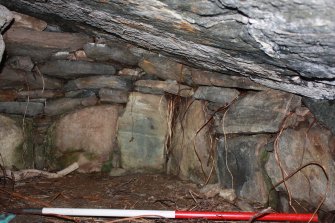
158 192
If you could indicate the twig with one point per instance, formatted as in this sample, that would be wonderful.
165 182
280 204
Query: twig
29 173
261 213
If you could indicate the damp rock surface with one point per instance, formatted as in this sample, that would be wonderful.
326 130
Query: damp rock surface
258 112
86 136
142 131
11 138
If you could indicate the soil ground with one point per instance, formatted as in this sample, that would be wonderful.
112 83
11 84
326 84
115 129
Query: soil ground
141 191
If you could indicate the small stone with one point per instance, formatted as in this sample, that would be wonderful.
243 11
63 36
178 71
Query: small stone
29 22
40 94
138 72
244 205
216 94
84 93
171 87
211 190
97 82
68 69
116 172
228 194
163 68
111 52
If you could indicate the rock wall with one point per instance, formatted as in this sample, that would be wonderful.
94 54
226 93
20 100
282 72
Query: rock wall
115 107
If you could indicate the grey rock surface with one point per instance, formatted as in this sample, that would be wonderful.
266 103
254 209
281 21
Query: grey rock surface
22 108
5 18
323 110
301 145
159 87
259 112
245 166
110 52
142 131
113 96
11 137
216 94
95 82
284 45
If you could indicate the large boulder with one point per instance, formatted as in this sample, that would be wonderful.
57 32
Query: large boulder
258 112
191 154
87 136
304 143
244 169
142 131
11 139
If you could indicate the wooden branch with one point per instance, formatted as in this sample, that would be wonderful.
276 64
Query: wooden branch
29 173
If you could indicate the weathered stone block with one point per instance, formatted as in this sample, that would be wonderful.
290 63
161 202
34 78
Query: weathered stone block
64 105
142 131
87 136
216 94
323 110
8 95
299 146
29 22
258 112
11 137
69 69
113 96
41 45
18 79
191 155
40 94
111 52
164 68
201 77
159 87
96 82
22 108
246 156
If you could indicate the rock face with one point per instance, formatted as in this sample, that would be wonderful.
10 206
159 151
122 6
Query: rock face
142 131
286 46
113 96
191 155
259 112
11 137
299 146
87 136
246 156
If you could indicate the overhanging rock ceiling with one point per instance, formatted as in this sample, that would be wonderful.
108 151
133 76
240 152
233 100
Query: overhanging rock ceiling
286 45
